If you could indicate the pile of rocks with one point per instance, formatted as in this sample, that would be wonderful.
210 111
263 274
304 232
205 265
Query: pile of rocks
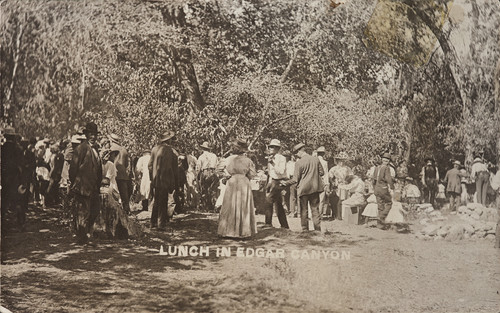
470 222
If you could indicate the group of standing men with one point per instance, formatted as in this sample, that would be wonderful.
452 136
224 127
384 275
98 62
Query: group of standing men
317 187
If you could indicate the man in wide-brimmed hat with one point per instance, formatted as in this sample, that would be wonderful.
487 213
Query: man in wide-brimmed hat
207 177
430 179
85 175
337 176
163 172
277 172
481 175
123 180
307 175
382 181
454 185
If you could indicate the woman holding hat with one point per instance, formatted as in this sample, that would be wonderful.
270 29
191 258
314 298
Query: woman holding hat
237 215
337 176
142 172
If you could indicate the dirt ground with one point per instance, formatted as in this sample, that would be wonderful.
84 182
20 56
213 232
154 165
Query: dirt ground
43 270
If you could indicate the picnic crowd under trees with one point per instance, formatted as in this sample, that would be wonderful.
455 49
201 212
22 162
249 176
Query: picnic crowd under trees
101 186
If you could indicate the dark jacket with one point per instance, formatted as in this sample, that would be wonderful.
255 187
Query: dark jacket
382 177
55 172
163 168
85 171
308 172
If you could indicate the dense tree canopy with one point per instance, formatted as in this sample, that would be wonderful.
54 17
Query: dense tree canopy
298 70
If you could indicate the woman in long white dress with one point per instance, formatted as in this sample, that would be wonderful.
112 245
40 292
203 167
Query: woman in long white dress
143 172
237 215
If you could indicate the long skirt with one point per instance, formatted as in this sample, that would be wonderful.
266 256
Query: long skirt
237 215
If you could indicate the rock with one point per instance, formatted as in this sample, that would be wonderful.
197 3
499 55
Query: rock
473 206
464 217
476 224
435 213
462 209
491 225
437 219
430 230
475 216
456 232
479 211
486 227
468 229
424 221
442 232
429 209
424 206
490 232
490 237
467 236
480 233
438 238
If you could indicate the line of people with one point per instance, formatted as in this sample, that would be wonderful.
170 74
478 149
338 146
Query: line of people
97 178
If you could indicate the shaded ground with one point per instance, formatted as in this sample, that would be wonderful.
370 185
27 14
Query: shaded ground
386 272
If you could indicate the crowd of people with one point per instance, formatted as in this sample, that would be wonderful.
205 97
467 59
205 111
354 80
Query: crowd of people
93 177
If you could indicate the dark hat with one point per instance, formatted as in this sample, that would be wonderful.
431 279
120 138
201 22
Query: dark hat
239 145
477 160
91 127
297 147
429 159
386 156
9 131
167 135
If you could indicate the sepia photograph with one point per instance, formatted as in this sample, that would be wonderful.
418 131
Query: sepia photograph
250 156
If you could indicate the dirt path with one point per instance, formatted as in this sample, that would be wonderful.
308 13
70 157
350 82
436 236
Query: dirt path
374 271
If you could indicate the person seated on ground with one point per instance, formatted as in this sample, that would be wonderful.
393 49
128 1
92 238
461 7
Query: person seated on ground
113 219
411 194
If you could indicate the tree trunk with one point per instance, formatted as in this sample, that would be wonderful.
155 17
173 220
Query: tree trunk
10 91
497 108
285 74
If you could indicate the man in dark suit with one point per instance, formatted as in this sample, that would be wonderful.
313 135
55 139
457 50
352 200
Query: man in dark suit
308 176
163 170
85 175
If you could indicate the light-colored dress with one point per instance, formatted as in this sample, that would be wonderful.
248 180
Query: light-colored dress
237 215
142 167
371 209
